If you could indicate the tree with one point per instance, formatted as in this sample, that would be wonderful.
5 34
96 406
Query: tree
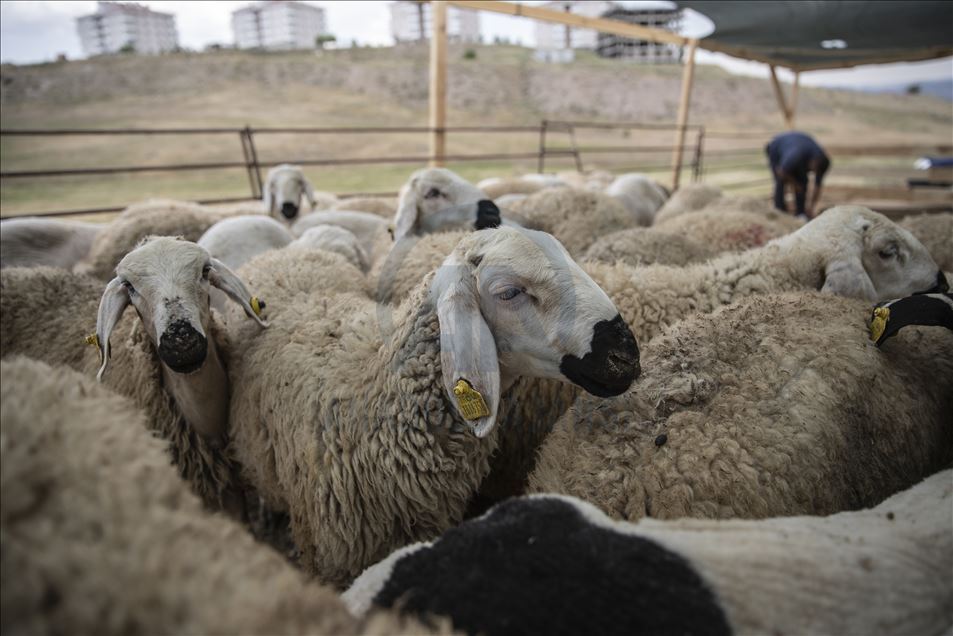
323 39
128 47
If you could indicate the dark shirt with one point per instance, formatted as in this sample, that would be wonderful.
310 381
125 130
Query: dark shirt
793 153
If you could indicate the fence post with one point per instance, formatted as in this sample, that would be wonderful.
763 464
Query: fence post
697 162
256 183
688 74
542 147
575 149
438 83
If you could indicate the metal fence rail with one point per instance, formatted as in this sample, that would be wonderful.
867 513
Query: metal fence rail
253 164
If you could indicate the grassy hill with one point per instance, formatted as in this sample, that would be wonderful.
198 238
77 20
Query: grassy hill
375 87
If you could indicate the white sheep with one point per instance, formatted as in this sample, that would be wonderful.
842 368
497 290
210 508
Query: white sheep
935 231
334 239
34 242
100 536
639 246
381 206
438 200
282 191
498 187
883 570
641 196
153 217
731 230
847 250
688 198
373 233
575 217
775 405
374 425
170 361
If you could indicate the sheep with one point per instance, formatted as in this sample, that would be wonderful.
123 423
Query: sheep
594 180
688 198
646 246
388 436
776 405
935 231
234 241
438 200
34 241
496 187
154 217
576 217
383 207
281 194
847 250
171 362
640 195
100 536
731 231
334 239
408 262
372 232
883 570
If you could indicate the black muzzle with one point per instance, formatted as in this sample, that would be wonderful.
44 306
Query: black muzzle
289 210
611 364
182 348
488 215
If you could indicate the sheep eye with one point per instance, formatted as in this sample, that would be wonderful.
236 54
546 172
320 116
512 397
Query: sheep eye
129 288
432 193
510 293
205 271
888 252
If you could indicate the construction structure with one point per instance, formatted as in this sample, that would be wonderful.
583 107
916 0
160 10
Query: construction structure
280 25
126 27
413 22
557 42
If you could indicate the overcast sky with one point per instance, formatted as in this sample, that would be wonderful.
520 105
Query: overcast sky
33 31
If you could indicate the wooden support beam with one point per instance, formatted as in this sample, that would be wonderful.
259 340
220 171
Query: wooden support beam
794 89
438 83
688 75
616 27
782 103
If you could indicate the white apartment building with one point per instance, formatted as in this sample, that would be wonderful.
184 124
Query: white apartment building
278 25
556 42
410 22
118 24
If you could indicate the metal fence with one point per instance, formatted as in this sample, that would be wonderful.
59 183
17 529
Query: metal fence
549 131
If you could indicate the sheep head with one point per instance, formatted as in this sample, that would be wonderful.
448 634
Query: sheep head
437 200
866 255
284 186
512 302
167 281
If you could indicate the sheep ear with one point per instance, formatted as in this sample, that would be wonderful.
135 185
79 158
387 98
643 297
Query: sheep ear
111 305
847 277
470 368
229 282
308 191
406 216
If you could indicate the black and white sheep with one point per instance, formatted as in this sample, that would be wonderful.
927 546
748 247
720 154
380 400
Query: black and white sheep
556 565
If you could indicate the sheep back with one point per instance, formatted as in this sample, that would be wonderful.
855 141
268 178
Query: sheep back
935 231
646 246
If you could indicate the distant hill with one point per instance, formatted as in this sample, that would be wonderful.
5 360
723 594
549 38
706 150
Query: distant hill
943 89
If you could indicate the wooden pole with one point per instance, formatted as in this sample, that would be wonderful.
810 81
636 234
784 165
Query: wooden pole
797 81
688 74
779 94
438 83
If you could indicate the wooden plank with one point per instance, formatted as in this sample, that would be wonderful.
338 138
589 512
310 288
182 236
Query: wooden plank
438 83
779 94
688 75
616 27
794 91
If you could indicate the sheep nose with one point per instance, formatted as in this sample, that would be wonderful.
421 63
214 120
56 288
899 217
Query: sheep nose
182 348
289 210
612 363
488 215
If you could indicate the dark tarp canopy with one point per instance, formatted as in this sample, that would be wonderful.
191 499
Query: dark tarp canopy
807 35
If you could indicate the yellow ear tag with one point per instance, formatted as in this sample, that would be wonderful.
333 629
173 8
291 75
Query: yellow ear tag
879 323
470 401
93 339
256 305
